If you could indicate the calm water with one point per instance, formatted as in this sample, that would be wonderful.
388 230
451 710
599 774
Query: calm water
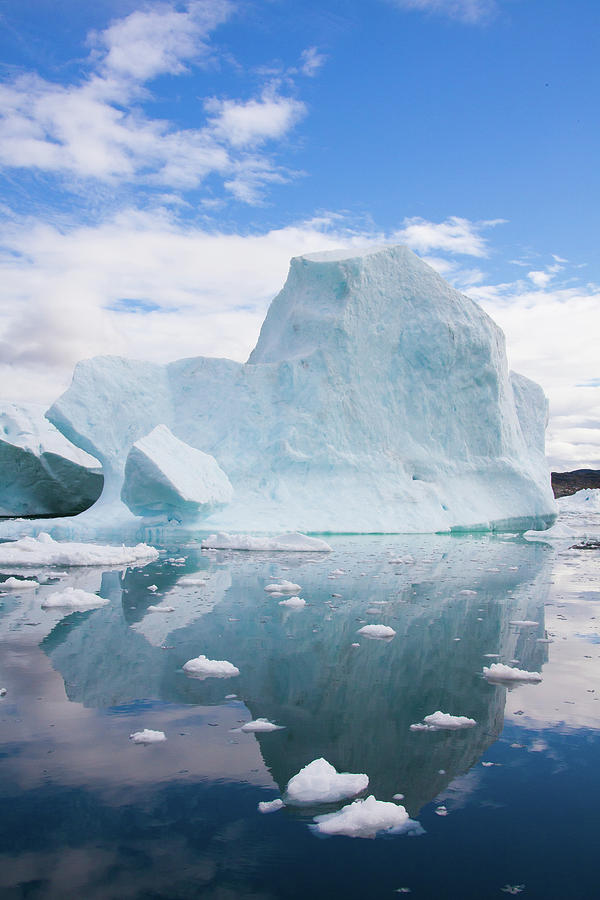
86 813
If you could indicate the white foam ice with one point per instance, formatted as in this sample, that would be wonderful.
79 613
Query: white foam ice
319 782
292 542
44 551
202 667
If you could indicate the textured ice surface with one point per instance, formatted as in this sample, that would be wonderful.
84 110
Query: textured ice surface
379 632
42 472
166 476
502 672
319 782
148 736
364 818
378 398
73 598
201 667
293 542
443 721
44 551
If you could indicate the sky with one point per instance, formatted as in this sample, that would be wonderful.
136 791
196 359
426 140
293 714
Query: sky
161 162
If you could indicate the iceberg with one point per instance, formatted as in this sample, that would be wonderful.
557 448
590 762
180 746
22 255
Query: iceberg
319 782
74 598
377 399
365 819
165 475
45 551
45 473
201 667
502 673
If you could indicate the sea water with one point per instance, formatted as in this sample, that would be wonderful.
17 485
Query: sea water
509 804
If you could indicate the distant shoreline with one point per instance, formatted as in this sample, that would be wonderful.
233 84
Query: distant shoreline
565 483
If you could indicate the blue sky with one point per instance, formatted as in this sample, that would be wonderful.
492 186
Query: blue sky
161 162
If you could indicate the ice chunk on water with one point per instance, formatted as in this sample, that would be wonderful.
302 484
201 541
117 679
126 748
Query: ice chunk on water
148 736
365 819
74 598
18 584
285 587
443 721
319 782
379 632
292 542
293 602
269 806
44 551
501 672
261 725
202 667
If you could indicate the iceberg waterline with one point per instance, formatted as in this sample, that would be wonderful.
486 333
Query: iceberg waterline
377 399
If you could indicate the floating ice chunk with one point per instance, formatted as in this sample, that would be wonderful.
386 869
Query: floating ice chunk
261 725
191 582
337 572
398 797
468 593
202 667
513 888
44 551
446 721
148 736
165 475
230 696
523 622
294 602
3 692
269 806
355 644
294 542
285 587
74 598
160 609
18 584
152 587
319 782
441 810
379 632
365 819
500 672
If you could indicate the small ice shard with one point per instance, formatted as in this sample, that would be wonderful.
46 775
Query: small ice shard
3 692
398 797
293 602
492 655
294 542
355 644
337 572
18 584
284 587
403 890
468 593
522 622
153 588
365 819
513 888
441 810
487 764
500 672
269 806
73 598
378 632
164 475
336 595
319 782
230 696
191 582
443 721
202 667
44 551
160 609
261 725
148 736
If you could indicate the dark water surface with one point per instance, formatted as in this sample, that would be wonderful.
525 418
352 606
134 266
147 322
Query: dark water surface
86 813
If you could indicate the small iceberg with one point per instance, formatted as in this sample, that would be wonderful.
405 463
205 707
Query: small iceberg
501 672
441 721
319 782
202 667
293 602
294 542
285 587
18 584
44 551
261 725
74 598
365 819
148 736
269 806
378 632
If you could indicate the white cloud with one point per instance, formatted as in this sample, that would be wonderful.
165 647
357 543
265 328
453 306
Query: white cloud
469 11
455 235
97 128
311 61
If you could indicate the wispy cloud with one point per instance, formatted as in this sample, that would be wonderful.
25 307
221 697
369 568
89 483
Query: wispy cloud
98 128
455 235
469 11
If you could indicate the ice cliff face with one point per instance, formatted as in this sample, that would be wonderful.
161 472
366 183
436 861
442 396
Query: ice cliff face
42 473
377 399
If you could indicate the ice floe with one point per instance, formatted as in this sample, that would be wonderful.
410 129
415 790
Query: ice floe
284 587
379 632
441 721
148 736
18 584
269 806
74 598
202 667
293 602
294 542
501 672
319 782
44 551
261 725
365 819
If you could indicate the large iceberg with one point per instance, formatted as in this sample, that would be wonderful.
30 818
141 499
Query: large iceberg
377 399
43 473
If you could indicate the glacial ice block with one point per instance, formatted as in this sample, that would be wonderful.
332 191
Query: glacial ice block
42 472
377 399
165 475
